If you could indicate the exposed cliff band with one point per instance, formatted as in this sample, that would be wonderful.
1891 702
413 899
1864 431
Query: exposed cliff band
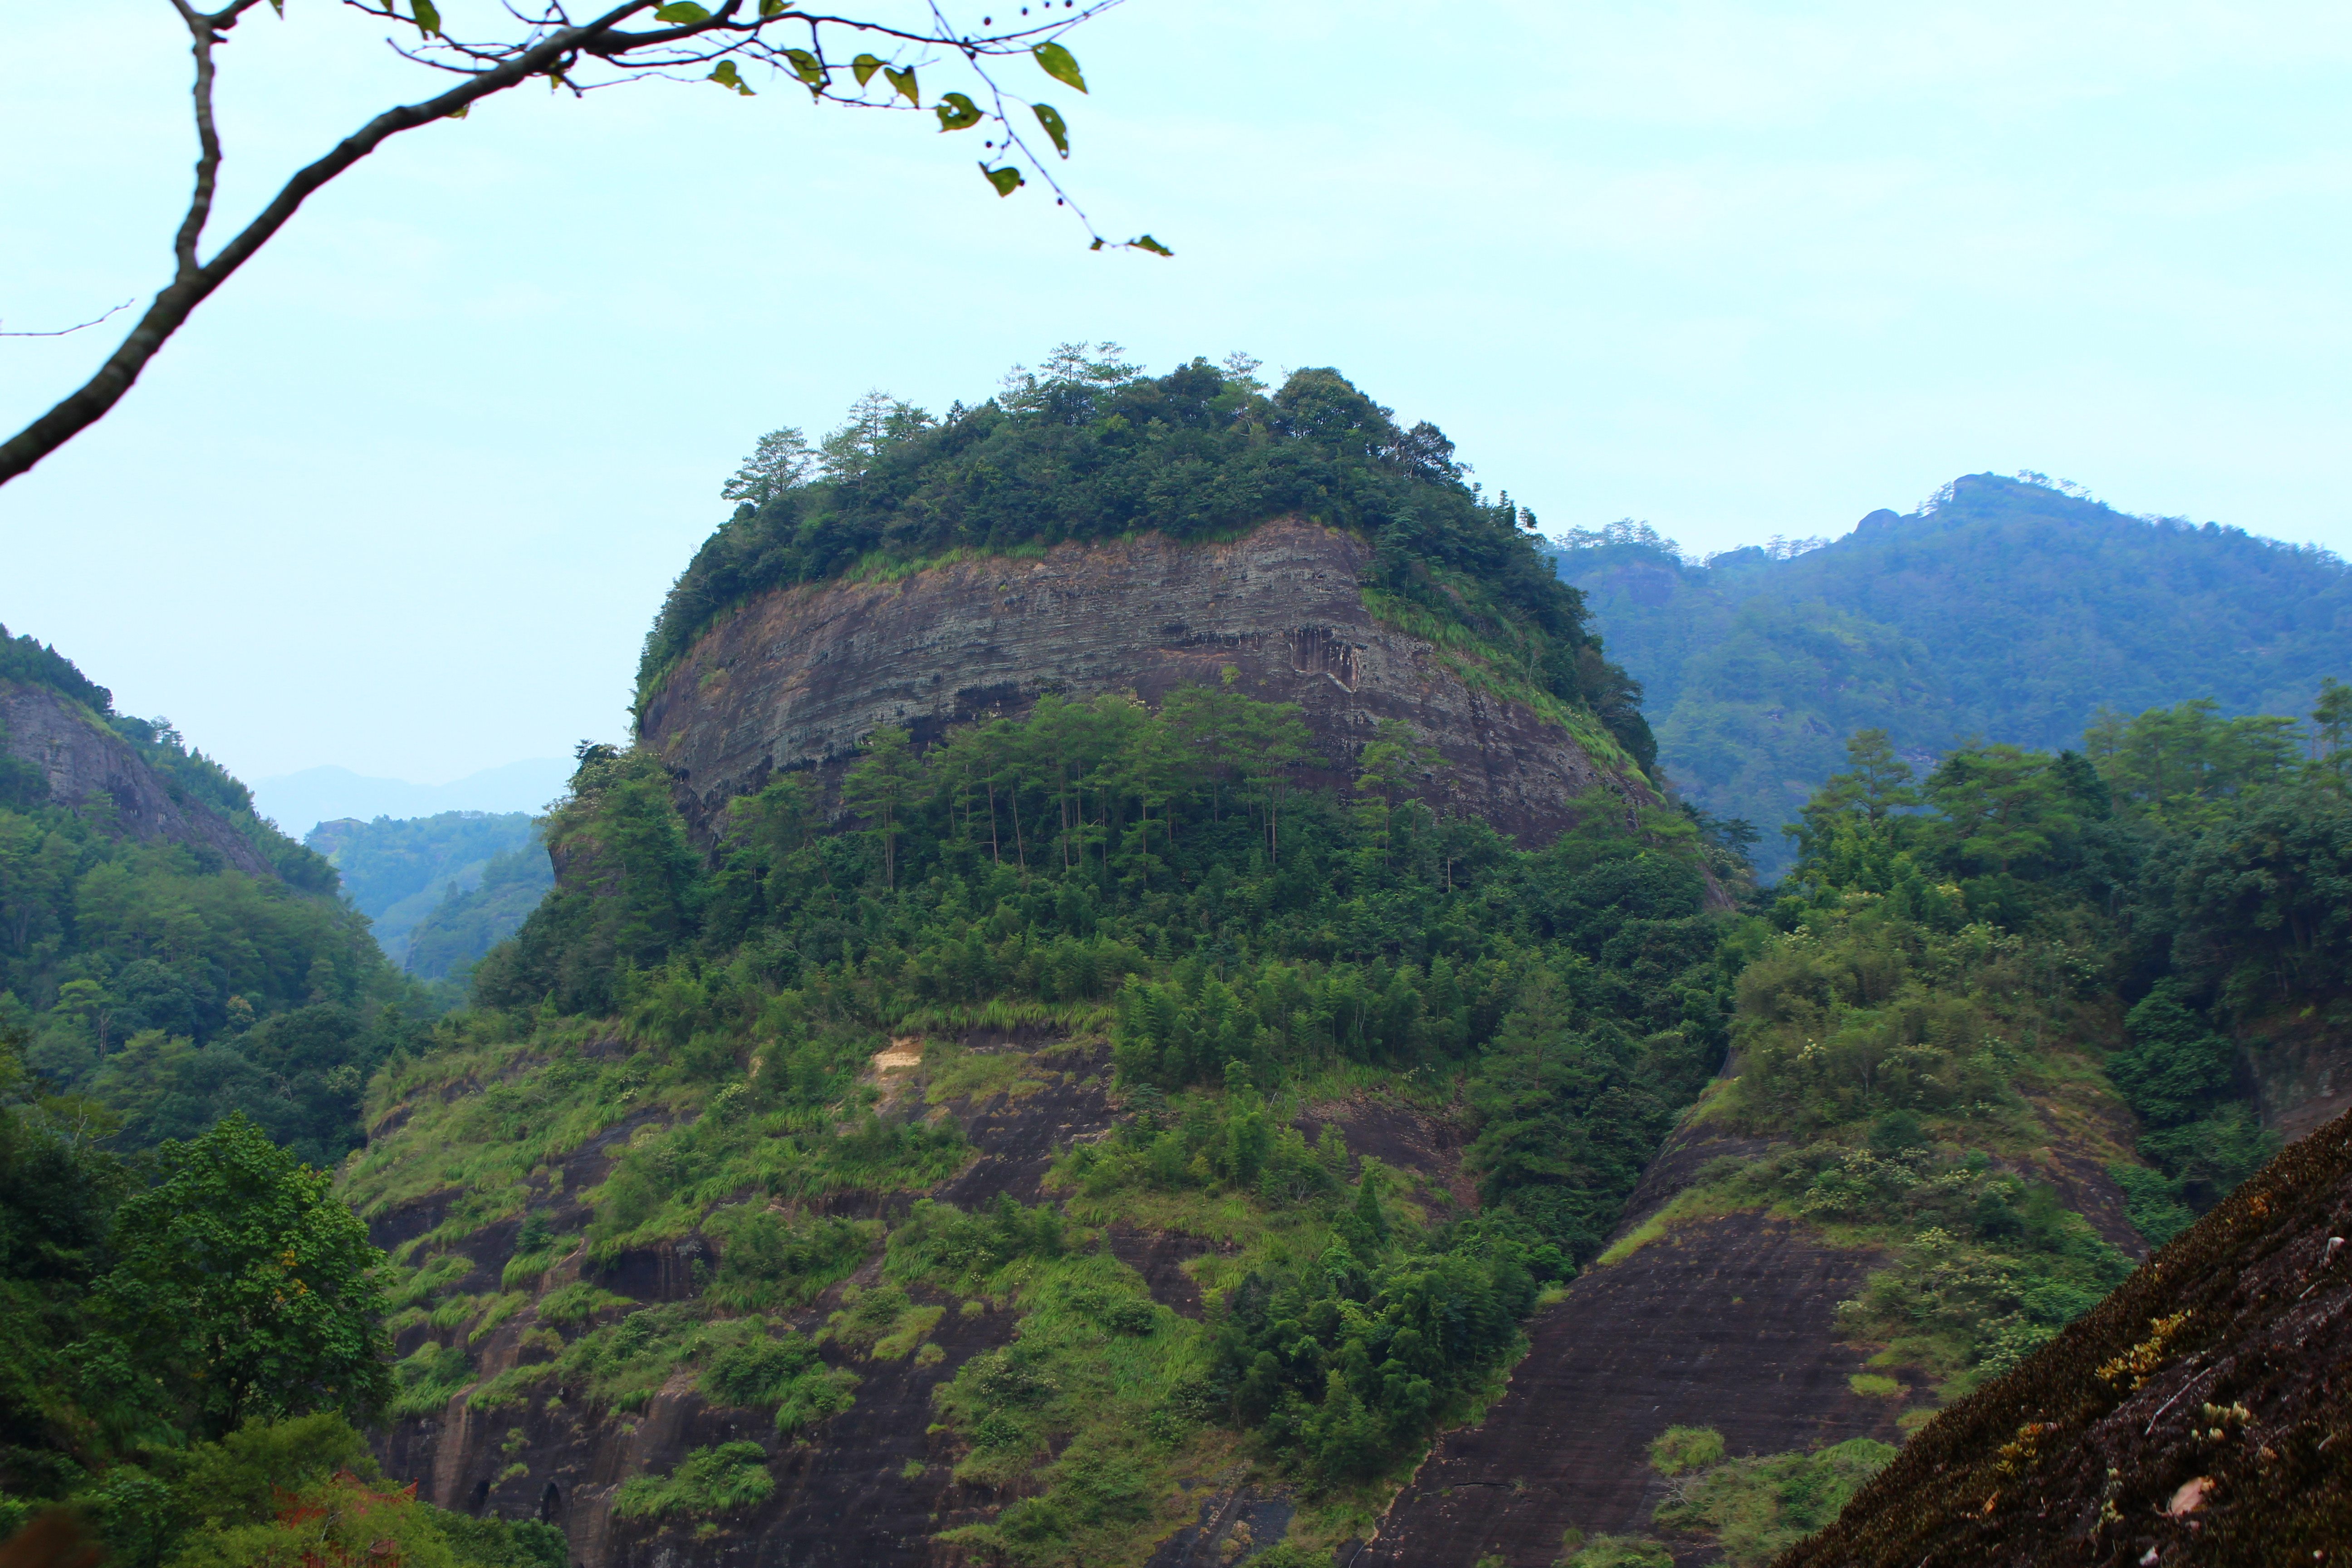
81 762
797 678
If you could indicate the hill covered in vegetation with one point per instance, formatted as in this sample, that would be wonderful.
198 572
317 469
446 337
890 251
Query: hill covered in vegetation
2005 609
2003 1040
171 978
1092 450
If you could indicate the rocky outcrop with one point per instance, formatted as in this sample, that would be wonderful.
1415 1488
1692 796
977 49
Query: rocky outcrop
84 763
1727 1322
2197 1415
797 678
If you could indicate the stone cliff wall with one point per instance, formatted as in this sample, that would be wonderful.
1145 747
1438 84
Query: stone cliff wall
80 759
797 678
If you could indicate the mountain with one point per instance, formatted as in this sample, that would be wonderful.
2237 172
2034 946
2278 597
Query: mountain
465 925
165 952
2005 609
1134 1000
301 801
401 871
1001 1043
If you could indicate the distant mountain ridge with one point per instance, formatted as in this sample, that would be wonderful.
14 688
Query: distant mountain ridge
299 802
2005 607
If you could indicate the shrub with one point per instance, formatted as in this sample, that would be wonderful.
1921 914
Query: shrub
726 1479
1758 1508
1680 1448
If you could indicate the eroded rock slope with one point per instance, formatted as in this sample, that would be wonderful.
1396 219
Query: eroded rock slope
799 676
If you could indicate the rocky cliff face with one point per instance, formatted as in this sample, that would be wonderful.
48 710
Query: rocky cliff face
83 761
797 678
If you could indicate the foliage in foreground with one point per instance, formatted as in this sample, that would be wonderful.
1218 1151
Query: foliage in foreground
160 1315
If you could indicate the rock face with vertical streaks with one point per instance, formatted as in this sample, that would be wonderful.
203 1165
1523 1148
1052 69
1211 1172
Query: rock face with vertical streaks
83 762
795 679
1726 1322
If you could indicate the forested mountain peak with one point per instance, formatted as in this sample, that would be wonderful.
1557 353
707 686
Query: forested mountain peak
1091 448
2011 608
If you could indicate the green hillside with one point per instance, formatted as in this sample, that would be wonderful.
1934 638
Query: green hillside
2005 609
466 924
171 989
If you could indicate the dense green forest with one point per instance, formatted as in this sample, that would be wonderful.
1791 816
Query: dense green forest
2017 950
170 988
1093 449
191 1334
414 877
2003 610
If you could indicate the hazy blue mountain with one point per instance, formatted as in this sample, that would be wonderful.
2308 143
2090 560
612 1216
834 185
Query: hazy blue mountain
398 870
467 923
2005 608
299 802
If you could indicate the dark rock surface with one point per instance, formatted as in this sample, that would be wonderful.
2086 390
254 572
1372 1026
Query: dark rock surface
874 1486
1724 1324
2302 1071
797 678
2198 1416
84 761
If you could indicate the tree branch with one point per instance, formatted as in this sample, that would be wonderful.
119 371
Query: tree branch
78 326
194 282
553 47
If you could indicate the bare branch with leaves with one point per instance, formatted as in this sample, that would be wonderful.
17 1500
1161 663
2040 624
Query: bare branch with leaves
631 41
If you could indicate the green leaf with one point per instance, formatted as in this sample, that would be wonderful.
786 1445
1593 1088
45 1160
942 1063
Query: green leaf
1006 180
904 80
428 19
1060 65
774 7
727 76
1145 242
804 66
682 12
1051 119
864 66
957 112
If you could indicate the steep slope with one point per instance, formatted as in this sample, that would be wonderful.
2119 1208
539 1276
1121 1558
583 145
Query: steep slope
797 679
163 950
993 1080
1943 1135
2198 1416
2004 608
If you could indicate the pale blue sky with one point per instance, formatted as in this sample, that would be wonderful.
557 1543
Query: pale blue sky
405 495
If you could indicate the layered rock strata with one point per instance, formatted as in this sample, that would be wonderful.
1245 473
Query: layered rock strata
798 677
